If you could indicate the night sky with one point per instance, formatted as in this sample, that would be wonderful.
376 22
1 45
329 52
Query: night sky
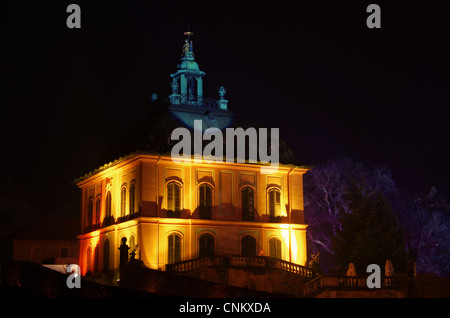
333 86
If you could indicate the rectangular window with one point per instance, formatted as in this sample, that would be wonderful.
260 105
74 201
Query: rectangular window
247 196
123 201
97 210
274 205
205 202
64 252
173 197
35 253
132 191
275 248
174 246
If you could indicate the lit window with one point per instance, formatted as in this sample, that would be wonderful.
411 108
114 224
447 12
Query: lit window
174 249
247 199
132 197
275 248
205 201
274 204
98 203
173 199
108 204
123 201
132 243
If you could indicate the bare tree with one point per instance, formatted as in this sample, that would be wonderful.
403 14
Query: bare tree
325 199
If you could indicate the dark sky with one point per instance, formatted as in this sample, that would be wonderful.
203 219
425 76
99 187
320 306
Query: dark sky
333 86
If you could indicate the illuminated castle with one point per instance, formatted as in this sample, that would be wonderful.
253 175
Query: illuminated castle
173 212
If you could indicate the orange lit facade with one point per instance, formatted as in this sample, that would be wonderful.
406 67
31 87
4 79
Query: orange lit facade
171 212
164 233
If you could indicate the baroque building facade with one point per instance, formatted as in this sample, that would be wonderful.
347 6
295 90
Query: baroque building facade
170 211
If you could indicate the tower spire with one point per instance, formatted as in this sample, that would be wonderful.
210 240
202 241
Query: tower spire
187 83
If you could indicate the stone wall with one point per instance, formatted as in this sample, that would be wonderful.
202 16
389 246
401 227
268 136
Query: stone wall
261 279
170 284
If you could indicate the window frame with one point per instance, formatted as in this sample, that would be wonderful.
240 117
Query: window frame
123 200
106 256
132 197
248 217
206 215
278 244
241 241
61 253
206 235
276 217
98 209
173 209
34 248
108 204
172 257
90 211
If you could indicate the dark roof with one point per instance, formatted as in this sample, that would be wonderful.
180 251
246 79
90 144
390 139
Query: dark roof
153 133
51 228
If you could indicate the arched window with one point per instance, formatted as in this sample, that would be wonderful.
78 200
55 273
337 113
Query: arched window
173 199
133 248
98 203
274 205
123 201
132 197
248 246
247 204
206 245
275 248
108 204
174 249
96 259
90 211
205 201
132 243
89 260
106 257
